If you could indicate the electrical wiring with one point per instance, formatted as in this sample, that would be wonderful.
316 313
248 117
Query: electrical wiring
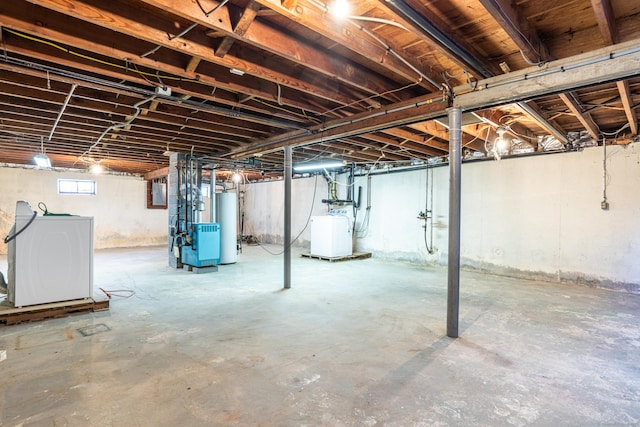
14 235
100 61
119 125
119 293
381 94
338 182
186 30
313 202
317 156
364 226
524 37
276 107
531 138
614 134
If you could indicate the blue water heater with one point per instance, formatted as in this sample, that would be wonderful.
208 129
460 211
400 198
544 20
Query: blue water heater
204 250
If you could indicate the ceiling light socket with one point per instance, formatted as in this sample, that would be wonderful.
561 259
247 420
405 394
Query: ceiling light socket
236 72
164 91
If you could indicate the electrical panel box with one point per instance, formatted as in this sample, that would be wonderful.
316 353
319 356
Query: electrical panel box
331 236
51 260
204 250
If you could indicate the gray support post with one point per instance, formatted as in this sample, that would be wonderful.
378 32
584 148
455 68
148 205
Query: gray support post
287 216
455 166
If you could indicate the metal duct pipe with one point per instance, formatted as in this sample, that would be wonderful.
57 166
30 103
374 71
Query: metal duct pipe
440 37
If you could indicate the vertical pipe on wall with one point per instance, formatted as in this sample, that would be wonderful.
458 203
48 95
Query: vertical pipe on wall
212 195
287 217
455 166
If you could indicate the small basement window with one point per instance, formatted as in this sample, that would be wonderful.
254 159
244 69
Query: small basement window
77 186
157 193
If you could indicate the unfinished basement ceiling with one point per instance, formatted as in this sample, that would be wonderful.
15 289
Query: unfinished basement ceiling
124 82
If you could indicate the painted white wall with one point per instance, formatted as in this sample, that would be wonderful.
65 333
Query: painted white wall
532 216
264 208
121 218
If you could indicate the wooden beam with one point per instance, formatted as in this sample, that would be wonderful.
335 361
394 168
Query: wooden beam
417 147
592 68
407 112
288 4
505 12
30 85
575 72
531 110
376 55
584 118
308 55
438 130
240 28
193 64
188 89
159 173
625 96
606 20
440 36
126 19
417 138
18 19
224 46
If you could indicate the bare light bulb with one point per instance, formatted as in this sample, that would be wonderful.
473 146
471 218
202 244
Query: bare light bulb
340 9
96 168
502 144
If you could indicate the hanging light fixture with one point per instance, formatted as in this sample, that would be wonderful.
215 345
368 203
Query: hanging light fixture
308 167
237 177
96 168
502 143
41 159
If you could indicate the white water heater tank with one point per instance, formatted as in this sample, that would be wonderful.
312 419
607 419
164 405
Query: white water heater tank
226 208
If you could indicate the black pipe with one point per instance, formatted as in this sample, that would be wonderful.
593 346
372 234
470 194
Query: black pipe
440 37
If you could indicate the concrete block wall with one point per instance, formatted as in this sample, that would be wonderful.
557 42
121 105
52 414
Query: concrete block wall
121 217
536 216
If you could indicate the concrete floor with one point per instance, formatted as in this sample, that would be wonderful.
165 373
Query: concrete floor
357 343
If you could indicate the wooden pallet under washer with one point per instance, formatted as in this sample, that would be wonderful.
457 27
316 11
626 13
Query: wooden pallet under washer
12 315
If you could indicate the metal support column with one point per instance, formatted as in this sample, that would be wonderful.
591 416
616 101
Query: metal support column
287 216
455 166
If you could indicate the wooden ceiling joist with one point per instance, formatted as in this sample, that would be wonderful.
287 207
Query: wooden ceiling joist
625 97
606 20
584 118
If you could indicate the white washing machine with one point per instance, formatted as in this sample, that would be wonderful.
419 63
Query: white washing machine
51 260
331 236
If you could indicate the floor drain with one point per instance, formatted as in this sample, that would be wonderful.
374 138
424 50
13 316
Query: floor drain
94 329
